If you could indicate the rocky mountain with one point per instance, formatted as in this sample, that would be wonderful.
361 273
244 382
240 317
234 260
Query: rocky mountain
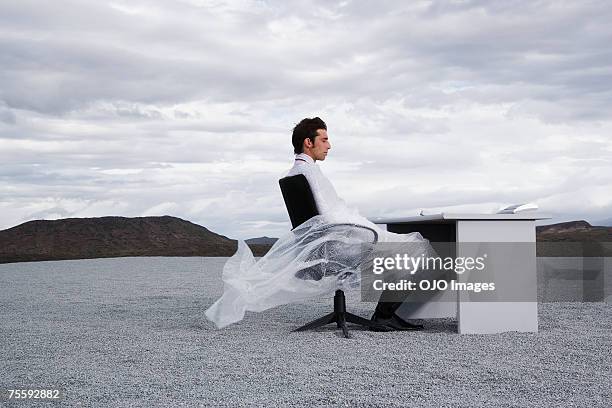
561 239
103 237
575 231
261 241
564 227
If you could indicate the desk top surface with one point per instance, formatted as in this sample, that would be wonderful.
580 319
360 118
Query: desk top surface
531 216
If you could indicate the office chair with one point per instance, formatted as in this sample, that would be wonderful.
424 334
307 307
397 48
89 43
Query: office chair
301 206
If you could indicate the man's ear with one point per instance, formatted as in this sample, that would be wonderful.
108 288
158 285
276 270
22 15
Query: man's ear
308 143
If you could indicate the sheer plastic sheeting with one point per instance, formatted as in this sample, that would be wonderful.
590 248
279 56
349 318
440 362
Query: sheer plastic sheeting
315 258
319 256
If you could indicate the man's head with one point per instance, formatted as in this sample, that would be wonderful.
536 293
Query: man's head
310 137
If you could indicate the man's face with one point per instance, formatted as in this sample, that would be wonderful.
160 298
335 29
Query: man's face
321 145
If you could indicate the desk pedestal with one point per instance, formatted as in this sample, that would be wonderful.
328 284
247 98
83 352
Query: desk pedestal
480 317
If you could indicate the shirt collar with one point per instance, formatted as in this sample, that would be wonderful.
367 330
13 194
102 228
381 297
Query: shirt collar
305 157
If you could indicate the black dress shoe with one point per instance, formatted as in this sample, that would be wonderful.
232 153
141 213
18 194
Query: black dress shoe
394 323
404 323
381 328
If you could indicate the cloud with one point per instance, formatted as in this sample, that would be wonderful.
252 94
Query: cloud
186 107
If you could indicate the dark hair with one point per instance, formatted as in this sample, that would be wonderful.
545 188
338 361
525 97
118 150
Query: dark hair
306 129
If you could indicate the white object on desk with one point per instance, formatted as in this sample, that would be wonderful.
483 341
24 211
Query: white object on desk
517 208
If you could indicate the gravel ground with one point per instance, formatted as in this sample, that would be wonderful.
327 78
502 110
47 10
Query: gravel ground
131 332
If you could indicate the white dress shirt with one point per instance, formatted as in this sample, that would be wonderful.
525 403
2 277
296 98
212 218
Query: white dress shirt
324 193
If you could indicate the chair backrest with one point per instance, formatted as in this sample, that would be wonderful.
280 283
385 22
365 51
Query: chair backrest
301 207
299 199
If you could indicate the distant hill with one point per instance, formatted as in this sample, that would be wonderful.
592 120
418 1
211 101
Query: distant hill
261 241
596 241
564 227
575 231
103 237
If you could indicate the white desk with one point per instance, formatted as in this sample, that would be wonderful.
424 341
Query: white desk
478 317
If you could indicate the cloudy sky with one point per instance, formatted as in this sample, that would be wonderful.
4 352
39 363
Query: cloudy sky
186 108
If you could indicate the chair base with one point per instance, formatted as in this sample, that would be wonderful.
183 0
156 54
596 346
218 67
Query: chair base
339 316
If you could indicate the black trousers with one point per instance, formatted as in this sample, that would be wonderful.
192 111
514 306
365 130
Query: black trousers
385 308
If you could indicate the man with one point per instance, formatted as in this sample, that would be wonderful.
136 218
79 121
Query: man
255 285
311 143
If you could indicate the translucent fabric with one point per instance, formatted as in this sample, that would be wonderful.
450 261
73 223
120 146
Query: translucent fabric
315 258
319 256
